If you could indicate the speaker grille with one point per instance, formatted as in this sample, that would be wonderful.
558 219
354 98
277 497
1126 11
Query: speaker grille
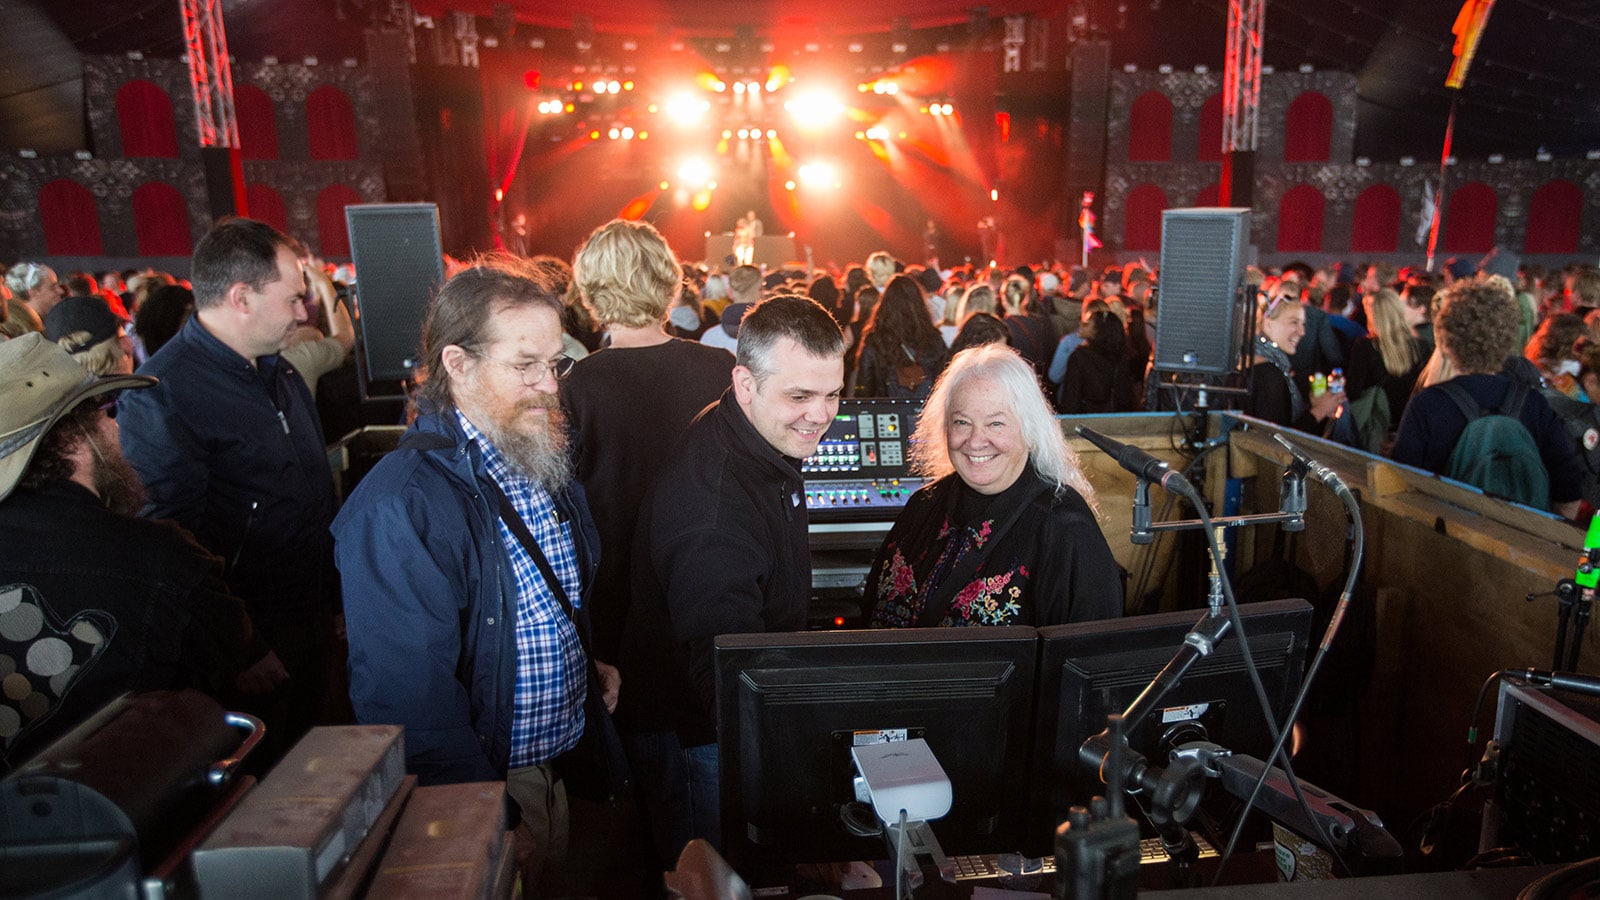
399 266
1199 323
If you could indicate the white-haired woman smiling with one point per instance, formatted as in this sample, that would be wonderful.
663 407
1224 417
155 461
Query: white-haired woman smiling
1004 533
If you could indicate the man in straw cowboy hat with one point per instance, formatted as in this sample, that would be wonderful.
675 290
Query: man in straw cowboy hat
93 601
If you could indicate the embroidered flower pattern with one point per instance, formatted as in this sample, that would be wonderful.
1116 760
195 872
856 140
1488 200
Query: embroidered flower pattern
982 533
898 602
988 601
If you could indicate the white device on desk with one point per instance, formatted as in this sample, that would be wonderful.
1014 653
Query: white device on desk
907 788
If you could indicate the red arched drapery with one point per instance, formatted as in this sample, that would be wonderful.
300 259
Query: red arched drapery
1300 219
333 239
1469 219
1145 205
1554 218
1308 129
1210 149
144 116
161 220
1377 221
266 205
1210 195
258 123
331 124
69 219
1150 128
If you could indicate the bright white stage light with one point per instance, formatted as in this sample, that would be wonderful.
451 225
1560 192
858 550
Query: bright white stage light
694 173
686 109
814 109
818 175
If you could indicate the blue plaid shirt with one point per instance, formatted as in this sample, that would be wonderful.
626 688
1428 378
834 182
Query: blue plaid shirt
547 715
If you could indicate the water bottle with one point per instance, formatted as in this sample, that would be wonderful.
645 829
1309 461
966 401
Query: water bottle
1319 384
1336 381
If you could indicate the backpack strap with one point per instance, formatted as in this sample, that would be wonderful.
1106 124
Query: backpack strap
1463 400
1516 395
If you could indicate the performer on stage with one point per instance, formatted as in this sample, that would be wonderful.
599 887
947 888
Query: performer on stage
745 232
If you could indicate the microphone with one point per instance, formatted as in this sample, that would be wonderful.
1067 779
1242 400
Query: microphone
1568 681
1318 471
1139 462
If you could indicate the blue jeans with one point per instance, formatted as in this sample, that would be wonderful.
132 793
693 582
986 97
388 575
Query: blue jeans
705 792
677 791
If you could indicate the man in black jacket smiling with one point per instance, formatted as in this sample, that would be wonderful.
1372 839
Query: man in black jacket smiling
722 545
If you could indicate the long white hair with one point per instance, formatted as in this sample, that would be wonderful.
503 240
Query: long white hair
1052 456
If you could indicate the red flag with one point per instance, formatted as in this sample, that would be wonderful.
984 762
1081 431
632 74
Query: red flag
1468 29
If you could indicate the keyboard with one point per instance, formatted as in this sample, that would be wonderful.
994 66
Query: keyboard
987 865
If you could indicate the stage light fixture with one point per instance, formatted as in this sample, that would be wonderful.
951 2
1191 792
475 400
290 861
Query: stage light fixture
616 87
694 173
772 134
818 175
627 85
788 185
685 109
877 133
738 87
814 109
744 134
753 87
627 133
614 133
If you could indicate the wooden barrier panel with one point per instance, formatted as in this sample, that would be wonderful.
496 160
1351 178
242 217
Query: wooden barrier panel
1439 607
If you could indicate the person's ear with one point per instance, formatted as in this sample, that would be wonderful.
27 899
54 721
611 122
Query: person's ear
456 360
744 384
237 297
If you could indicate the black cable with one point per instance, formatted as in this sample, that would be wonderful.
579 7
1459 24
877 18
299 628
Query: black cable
1279 735
1477 710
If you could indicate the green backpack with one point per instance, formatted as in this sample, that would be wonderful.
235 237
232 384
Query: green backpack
1373 420
1496 453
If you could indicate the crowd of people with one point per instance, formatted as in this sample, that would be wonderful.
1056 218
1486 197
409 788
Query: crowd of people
602 474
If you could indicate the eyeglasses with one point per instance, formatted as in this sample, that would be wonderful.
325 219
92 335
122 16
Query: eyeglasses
531 373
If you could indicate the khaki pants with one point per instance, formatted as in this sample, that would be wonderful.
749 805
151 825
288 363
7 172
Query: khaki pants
541 839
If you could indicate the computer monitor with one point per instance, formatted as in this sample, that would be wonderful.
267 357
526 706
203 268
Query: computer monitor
1090 669
790 706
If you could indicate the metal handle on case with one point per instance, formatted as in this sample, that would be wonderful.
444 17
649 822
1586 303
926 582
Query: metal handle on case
221 771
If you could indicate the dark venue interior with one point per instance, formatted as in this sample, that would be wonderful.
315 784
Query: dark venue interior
1028 167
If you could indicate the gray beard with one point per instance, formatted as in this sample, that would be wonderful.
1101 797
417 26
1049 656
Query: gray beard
539 455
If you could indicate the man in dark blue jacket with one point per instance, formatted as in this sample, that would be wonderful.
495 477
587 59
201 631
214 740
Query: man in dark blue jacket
456 631
229 446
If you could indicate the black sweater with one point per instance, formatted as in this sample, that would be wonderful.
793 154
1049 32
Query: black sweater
626 407
728 553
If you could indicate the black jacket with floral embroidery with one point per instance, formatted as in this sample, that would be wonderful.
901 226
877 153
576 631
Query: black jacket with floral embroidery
1033 559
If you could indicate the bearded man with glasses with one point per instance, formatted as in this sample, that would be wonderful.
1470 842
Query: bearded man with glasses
467 558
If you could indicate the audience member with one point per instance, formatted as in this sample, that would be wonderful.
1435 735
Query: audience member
99 602
901 350
1475 326
468 557
642 384
229 446
88 329
1097 377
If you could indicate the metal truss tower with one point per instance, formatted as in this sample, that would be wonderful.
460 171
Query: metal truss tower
1241 99
211 82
